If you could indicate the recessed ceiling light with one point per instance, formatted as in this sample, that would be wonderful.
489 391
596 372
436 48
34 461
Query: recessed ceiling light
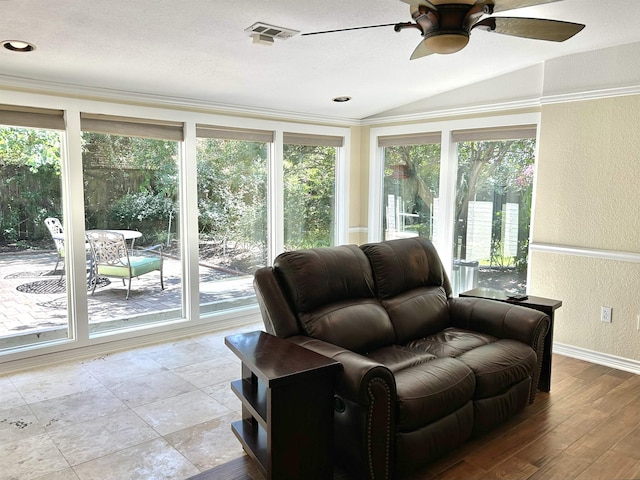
341 99
18 46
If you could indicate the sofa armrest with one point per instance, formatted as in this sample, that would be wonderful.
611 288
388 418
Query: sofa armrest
365 397
502 320
358 372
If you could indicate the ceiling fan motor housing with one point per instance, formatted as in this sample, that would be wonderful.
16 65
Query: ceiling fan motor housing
447 29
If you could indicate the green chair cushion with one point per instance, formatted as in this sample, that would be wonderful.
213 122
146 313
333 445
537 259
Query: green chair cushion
139 266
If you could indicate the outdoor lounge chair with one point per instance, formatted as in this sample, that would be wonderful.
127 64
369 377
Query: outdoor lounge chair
111 258
57 234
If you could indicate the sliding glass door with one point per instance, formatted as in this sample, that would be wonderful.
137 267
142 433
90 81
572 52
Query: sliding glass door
469 191
493 208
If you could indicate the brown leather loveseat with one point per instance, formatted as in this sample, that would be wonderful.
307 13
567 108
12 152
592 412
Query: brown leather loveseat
422 371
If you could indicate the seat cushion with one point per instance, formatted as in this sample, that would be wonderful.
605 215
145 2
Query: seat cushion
499 365
432 390
396 357
451 342
139 266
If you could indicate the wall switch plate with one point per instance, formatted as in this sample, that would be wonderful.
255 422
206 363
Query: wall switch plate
605 314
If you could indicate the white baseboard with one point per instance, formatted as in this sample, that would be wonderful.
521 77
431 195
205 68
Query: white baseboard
619 363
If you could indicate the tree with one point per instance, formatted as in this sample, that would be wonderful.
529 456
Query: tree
132 182
309 193
232 191
30 187
412 172
492 168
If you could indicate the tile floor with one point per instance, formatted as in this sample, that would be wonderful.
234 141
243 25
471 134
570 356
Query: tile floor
156 412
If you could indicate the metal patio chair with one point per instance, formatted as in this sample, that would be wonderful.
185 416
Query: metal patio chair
57 234
111 258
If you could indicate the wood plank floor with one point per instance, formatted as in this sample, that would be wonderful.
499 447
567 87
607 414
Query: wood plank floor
586 428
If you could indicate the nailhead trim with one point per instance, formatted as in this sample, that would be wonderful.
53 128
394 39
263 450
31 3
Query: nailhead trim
388 430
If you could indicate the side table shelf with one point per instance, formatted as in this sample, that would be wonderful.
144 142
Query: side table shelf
287 406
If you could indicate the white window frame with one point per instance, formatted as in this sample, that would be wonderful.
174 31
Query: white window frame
73 210
448 171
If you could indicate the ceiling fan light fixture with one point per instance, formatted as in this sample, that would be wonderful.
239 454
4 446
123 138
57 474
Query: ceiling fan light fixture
18 46
445 2
447 42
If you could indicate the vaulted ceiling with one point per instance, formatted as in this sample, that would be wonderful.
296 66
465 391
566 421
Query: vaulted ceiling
198 51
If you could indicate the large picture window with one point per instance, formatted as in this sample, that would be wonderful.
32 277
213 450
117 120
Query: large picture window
411 185
32 262
114 227
232 214
130 172
309 173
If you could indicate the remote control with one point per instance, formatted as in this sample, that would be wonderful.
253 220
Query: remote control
518 297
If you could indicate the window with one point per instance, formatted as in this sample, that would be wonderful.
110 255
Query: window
411 185
309 169
232 213
493 208
130 171
217 200
468 190
32 279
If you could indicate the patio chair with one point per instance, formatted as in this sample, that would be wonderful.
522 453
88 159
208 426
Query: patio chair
111 258
57 234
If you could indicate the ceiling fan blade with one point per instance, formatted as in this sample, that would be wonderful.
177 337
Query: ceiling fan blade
502 5
352 28
421 51
418 3
535 28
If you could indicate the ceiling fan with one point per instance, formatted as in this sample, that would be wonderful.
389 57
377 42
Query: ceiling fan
446 25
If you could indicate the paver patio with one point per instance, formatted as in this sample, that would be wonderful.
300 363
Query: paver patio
29 312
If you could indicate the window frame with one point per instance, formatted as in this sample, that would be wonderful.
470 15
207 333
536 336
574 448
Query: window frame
73 211
448 170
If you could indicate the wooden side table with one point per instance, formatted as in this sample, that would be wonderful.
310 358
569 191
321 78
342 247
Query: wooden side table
287 406
545 305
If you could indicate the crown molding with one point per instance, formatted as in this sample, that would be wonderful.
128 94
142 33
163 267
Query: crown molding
28 85
454 112
595 94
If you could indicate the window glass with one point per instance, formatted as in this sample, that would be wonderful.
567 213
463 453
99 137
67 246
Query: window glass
411 190
131 188
493 214
232 220
309 195
32 262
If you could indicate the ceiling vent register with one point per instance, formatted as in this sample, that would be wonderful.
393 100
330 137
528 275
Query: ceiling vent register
265 34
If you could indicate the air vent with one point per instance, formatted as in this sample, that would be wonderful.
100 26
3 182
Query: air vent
264 31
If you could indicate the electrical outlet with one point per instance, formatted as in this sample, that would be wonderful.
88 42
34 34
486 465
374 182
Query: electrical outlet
605 314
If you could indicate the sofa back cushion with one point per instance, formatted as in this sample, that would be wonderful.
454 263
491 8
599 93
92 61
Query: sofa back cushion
330 290
412 286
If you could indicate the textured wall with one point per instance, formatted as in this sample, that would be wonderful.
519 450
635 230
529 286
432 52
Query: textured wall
588 195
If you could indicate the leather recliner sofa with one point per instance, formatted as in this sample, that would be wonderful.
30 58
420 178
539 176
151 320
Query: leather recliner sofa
422 371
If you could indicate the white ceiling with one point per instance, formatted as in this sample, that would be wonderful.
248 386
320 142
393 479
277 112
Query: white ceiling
198 50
